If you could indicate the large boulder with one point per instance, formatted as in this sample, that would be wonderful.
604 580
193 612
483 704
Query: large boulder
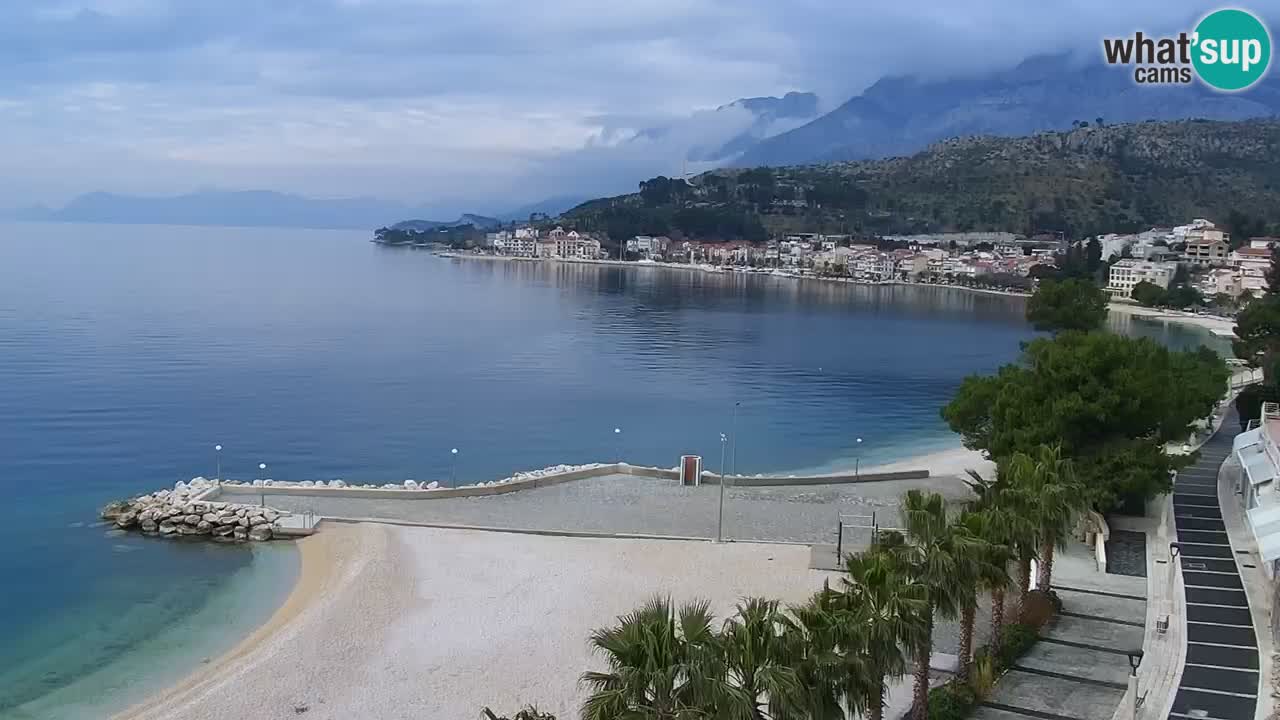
127 519
224 531
204 527
259 533
191 519
240 533
168 528
113 510
210 517
149 526
257 520
187 530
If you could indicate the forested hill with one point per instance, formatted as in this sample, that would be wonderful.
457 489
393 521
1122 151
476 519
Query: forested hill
1090 180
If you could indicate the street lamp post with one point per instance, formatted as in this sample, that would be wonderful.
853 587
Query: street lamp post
733 454
453 469
857 459
217 454
617 443
262 470
1135 659
720 515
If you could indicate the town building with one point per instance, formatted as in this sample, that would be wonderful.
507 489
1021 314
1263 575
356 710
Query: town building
1258 454
1206 251
1252 263
1127 273
1223 281
648 246
516 245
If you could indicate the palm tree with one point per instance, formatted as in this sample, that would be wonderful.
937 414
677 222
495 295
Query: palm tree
934 550
829 662
887 608
1045 492
1019 531
663 665
759 662
987 571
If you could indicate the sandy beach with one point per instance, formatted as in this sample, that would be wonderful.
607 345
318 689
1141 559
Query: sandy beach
1218 326
955 462
401 622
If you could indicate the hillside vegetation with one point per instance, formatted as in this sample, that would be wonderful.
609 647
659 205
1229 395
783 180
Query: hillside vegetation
1086 181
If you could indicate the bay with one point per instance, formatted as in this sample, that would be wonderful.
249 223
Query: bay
128 352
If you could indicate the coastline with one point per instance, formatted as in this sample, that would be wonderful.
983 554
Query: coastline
1220 327
413 622
355 580
325 561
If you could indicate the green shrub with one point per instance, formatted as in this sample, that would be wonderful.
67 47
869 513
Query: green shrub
983 676
1016 640
953 701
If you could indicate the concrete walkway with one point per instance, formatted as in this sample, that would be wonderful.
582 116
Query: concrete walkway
1080 667
1220 674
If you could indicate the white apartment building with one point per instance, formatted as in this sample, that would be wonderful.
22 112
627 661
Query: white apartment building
516 245
1127 273
648 246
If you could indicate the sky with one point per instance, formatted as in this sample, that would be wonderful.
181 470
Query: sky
458 104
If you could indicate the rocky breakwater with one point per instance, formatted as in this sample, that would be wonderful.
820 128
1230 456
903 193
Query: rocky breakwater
179 513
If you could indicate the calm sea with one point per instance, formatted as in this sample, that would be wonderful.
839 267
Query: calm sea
127 353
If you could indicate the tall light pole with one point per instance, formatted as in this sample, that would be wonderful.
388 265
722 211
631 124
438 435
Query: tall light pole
453 469
617 443
857 460
262 470
217 454
733 454
720 515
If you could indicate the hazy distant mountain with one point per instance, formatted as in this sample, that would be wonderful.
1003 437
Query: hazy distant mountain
773 116
903 115
247 208
479 222
550 207
718 135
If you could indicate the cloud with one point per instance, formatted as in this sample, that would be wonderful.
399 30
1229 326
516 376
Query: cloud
483 103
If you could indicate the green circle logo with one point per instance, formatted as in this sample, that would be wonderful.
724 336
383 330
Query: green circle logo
1232 49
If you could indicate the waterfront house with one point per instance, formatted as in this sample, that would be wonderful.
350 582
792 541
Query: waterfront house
1127 273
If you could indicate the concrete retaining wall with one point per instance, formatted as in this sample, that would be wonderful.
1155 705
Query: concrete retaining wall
564 477
820 479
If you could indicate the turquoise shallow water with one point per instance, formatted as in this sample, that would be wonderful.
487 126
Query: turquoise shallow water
126 353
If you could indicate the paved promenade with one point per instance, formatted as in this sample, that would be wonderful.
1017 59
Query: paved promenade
1220 675
628 504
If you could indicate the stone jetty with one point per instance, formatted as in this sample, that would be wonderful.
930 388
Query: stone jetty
181 513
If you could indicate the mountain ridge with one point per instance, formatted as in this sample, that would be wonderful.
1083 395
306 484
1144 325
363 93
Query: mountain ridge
1085 181
900 115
